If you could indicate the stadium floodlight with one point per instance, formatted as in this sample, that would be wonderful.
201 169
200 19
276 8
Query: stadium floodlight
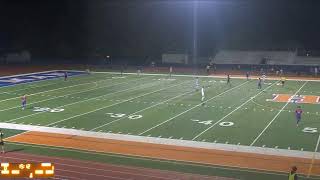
195 39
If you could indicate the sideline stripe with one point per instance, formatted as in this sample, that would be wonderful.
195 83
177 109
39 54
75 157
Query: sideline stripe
55 97
232 111
27 74
104 107
140 110
189 163
256 139
191 108
215 76
129 89
164 141
41 92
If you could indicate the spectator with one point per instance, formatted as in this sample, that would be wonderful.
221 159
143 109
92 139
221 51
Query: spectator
208 69
293 173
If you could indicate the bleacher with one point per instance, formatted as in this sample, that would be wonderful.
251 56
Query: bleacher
303 60
255 57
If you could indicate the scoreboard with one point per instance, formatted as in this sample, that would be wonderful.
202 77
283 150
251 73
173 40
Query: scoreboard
26 170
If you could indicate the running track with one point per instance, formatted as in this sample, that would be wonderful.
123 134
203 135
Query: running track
69 169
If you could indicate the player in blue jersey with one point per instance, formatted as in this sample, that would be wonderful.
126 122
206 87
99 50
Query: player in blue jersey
298 113
24 101
65 75
247 75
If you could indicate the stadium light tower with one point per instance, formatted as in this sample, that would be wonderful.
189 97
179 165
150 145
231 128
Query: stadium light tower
194 30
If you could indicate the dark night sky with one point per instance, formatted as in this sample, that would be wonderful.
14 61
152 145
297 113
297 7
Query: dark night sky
148 28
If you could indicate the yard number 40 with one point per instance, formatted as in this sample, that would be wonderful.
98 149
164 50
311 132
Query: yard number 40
310 130
120 115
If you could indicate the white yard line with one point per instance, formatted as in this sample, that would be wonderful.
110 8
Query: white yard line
191 108
275 117
129 89
43 85
141 110
52 90
232 111
31 87
55 97
145 94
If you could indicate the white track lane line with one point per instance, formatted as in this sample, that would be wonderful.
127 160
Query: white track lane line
191 108
232 111
145 94
28 159
275 117
60 148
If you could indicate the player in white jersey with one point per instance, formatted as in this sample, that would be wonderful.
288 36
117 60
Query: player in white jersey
197 84
202 93
264 77
170 71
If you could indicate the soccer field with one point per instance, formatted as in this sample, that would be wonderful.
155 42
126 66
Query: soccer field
163 107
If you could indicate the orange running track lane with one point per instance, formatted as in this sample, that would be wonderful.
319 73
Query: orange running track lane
170 152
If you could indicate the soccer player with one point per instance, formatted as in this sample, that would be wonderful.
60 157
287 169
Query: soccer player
228 80
170 71
1 141
298 114
283 79
247 75
197 84
264 77
65 75
24 101
202 93
138 71
259 83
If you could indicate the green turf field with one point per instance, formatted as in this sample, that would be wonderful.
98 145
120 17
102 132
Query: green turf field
158 106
